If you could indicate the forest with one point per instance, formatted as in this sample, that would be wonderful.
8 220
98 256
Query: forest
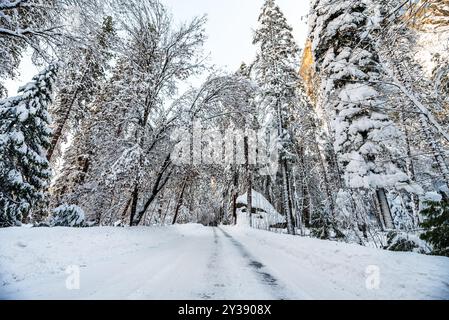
342 138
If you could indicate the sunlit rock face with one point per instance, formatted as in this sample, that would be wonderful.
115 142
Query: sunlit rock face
307 71
431 15
430 19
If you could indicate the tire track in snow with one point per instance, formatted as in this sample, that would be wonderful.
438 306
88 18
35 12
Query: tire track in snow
259 269
211 268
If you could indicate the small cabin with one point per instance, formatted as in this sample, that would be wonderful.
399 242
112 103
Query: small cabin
263 214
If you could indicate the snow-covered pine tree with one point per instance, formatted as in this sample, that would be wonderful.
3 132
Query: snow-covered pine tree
24 137
436 226
85 67
37 26
366 139
276 73
415 95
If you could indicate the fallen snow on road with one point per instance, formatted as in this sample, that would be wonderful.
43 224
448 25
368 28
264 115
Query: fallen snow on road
195 262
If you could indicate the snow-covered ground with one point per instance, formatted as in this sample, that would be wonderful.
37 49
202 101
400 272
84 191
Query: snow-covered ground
195 262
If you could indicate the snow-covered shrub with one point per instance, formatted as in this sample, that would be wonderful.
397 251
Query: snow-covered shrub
404 242
320 228
68 216
325 228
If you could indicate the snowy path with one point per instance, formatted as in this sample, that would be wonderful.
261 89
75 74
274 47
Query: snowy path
194 262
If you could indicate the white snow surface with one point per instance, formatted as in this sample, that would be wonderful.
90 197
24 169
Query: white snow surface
196 262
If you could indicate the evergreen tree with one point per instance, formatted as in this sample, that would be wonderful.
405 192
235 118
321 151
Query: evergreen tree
276 73
417 98
436 224
24 137
84 72
42 27
364 132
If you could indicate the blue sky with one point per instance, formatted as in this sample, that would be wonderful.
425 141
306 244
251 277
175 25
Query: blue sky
230 30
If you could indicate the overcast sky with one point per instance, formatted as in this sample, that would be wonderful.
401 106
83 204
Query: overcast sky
231 23
230 30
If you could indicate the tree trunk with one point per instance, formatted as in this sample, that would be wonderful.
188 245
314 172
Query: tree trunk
249 200
234 197
135 199
268 189
60 128
180 202
285 182
286 199
299 219
128 204
290 198
385 211
161 205
140 215
414 199
164 218
157 188
376 206
234 209
327 182
305 207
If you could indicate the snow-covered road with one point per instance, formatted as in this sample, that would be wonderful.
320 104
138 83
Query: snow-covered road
195 262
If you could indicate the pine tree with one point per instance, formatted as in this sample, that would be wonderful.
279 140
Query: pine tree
417 98
84 71
24 137
348 64
276 73
42 27
436 224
